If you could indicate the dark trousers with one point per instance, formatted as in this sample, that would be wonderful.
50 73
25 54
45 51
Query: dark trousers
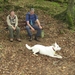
11 31
36 28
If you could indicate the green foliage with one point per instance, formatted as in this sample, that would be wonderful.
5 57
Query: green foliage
61 16
8 7
5 1
59 1
37 6
51 8
40 0
17 8
74 13
3 4
66 17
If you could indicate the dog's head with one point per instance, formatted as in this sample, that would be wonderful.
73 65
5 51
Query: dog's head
56 47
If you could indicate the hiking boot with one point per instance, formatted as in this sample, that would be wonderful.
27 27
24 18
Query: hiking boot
36 39
11 40
30 39
19 40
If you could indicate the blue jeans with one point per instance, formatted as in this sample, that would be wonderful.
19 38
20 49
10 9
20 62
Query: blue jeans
36 28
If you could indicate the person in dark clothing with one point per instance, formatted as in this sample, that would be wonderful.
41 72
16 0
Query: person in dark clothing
33 24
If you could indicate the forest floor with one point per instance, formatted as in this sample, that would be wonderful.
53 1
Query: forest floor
16 59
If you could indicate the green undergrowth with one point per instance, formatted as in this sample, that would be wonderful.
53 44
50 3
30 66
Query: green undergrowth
51 8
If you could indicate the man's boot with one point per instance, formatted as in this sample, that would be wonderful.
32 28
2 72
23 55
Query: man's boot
30 38
36 39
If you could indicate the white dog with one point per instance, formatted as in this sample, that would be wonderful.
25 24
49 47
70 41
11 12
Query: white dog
45 50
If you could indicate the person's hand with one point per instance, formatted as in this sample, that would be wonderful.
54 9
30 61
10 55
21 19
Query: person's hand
13 27
32 29
40 27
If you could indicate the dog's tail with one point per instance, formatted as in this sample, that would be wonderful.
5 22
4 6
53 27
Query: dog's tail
28 47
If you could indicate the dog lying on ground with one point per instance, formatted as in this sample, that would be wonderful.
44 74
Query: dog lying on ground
45 50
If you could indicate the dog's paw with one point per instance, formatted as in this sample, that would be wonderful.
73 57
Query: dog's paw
59 56
35 54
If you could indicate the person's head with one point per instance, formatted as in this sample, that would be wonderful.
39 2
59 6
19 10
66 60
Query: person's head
12 13
32 11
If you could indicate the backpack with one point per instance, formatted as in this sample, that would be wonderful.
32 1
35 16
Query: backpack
34 16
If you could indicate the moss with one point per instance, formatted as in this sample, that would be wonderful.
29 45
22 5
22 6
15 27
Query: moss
70 21
39 7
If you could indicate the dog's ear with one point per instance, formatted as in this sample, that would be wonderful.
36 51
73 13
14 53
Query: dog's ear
55 43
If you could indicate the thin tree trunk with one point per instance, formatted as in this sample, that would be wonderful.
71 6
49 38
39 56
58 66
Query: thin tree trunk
70 6
70 13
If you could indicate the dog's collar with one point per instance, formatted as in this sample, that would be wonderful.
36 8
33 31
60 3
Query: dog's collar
53 49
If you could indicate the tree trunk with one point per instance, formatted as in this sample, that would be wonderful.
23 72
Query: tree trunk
70 13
